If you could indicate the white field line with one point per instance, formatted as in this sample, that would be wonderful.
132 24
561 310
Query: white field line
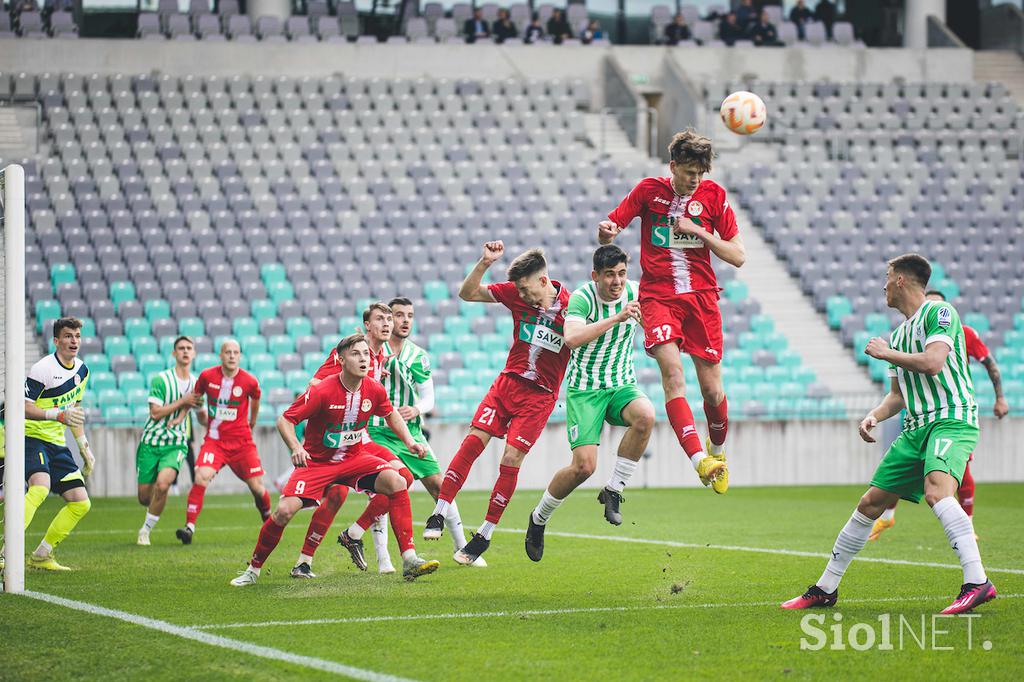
549 612
642 541
219 641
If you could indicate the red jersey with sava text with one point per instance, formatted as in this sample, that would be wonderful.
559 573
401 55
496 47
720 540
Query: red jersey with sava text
336 417
673 264
976 348
332 365
227 402
538 352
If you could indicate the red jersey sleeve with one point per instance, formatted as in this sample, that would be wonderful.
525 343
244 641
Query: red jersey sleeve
725 219
504 293
254 387
304 407
201 384
383 405
976 348
330 367
632 206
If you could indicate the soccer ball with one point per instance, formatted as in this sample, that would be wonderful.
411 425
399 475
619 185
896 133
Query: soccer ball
743 112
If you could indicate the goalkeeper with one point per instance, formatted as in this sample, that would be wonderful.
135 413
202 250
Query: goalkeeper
53 393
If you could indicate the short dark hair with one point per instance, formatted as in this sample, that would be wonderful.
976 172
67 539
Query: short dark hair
348 342
181 338
63 323
526 264
913 264
935 292
689 147
399 300
379 305
609 256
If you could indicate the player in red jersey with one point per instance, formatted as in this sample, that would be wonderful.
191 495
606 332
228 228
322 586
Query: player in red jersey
976 350
521 399
378 323
338 451
232 405
683 220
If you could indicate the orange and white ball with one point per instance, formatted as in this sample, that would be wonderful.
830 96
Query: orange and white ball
743 112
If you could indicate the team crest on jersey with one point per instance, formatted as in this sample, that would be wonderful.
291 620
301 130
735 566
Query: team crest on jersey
77 379
695 208
574 432
237 391
365 405
945 317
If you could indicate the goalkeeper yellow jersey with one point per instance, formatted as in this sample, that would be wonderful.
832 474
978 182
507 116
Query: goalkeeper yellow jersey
52 384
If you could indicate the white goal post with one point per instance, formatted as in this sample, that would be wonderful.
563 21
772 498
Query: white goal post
12 359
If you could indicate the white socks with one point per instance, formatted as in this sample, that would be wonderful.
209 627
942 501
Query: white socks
43 550
624 469
150 521
442 508
545 508
453 522
191 527
715 449
355 531
486 529
409 555
696 457
960 532
304 559
888 514
379 530
851 540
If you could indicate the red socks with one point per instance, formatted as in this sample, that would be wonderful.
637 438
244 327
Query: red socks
718 420
459 468
965 495
270 535
378 505
681 419
400 511
263 504
504 487
323 517
195 503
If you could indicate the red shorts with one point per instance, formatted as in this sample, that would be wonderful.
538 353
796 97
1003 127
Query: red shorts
513 406
692 321
240 456
310 481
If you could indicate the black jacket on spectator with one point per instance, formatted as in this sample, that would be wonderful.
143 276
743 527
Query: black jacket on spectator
825 12
558 28
675 34
503 30
533 34
730 33
765 35
470 29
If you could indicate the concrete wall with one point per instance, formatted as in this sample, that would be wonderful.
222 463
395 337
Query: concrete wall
760 453
479 61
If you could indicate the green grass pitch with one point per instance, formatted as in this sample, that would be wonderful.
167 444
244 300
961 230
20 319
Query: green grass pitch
693 602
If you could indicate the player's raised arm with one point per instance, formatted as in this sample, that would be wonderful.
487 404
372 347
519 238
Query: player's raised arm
890 406
579 333
472 288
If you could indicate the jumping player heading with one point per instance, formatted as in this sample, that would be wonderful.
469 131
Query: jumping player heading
683 220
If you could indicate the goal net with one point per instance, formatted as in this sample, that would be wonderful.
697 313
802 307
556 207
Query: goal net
12 370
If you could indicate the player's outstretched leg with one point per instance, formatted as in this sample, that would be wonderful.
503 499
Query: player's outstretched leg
716 409
391 484
565 480
851 540
204 476
77 506
501 495
270 535
472 445
886 521
379 533
323 516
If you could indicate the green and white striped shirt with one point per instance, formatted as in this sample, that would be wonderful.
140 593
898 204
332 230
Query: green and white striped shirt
950 393
165 388
405 371
607 361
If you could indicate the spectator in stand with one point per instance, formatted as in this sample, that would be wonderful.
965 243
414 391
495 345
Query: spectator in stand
729 30
503 27
746 16
534 33
677 31
800 15
591 32
825 12
476 27
763 33
558 27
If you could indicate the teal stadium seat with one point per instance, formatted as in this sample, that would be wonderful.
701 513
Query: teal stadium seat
467 342
62 273
877 324
327 344
101 380
280 344
271 379
494 343
261 363
151 363
280 291
166 344
271 273
156 309
762 324
245 326
504 325
461 378
836 308
126 381
142 345
475 358
472 311
457 325
947 286
979 321
311 362
46 310
350 325
860 342
263 309
299 326
116 415
205 360
253 344
136 326
96 362
435 291
121 292
296 380
440 343
736 290
138 396
191 326
88 326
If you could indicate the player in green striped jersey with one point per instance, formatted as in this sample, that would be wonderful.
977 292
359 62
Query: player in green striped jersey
931 379
411 390
600 322
167 433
